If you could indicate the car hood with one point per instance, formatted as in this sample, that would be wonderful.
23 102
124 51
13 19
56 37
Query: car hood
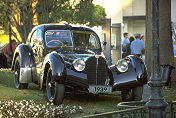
70 55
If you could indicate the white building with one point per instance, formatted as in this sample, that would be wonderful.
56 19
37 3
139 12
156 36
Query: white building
127 16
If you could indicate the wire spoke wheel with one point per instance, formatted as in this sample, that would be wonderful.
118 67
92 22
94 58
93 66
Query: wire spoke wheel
55 91
17 75
50 87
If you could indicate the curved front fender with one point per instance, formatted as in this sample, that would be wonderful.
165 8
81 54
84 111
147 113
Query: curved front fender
140 69
135 75
57 65
26 56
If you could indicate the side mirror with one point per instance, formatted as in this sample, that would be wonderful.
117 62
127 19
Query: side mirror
104 43
104 39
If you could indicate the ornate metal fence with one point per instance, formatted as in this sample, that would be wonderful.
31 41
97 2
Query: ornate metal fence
134 110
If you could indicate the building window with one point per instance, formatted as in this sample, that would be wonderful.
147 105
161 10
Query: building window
116 36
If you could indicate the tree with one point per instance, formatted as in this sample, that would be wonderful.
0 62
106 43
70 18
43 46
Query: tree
78 11
166 46
18 14
21 12
3 17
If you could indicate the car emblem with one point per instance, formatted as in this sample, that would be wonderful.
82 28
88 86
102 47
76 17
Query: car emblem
97 56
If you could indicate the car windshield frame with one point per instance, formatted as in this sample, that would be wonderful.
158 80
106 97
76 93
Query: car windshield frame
87 32
70 37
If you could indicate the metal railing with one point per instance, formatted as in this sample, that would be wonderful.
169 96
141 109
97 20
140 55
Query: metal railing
135 109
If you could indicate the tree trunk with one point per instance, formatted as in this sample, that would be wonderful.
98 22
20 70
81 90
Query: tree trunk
165 34
166 46
27 20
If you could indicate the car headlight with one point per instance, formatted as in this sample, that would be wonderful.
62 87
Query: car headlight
122 65
79 64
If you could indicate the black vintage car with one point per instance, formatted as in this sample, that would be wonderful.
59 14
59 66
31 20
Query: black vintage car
57 57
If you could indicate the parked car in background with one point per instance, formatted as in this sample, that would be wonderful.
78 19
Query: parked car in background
57 57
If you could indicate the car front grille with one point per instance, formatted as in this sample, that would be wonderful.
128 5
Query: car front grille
96 69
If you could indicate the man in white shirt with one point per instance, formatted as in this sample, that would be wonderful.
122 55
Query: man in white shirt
125 40
137 46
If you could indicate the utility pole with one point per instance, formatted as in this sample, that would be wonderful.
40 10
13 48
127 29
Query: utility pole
156 102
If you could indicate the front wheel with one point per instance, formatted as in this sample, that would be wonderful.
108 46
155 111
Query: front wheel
17 75
134 94
55 91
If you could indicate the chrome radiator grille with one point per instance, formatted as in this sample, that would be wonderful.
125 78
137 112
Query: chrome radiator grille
96 69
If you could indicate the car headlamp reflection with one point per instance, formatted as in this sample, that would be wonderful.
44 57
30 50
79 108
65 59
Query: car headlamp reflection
79 64
122 65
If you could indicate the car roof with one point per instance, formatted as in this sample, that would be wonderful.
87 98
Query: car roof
63 27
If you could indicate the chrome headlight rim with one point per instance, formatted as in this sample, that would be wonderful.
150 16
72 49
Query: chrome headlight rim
122 63
77 63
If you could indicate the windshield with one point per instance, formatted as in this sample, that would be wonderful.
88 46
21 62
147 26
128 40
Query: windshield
56 38
86 40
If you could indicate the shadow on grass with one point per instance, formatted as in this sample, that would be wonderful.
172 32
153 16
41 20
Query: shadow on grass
93 104
116 96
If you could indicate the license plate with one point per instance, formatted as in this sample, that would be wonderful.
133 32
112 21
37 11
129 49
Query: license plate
99 89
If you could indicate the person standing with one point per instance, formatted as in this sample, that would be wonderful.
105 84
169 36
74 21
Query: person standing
125 40
128 49
137 46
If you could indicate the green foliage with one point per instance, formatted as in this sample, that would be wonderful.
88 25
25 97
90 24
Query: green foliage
21 12
16 13
84 12
77 12
3 15
98 15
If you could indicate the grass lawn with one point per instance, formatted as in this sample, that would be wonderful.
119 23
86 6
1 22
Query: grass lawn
91 105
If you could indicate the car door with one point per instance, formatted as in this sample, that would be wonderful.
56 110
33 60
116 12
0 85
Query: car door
38 49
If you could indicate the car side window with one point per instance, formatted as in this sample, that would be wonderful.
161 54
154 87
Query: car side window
36 37
33 37
39 35
86 40
93 42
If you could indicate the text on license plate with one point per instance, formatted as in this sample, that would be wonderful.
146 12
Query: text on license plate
100 89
